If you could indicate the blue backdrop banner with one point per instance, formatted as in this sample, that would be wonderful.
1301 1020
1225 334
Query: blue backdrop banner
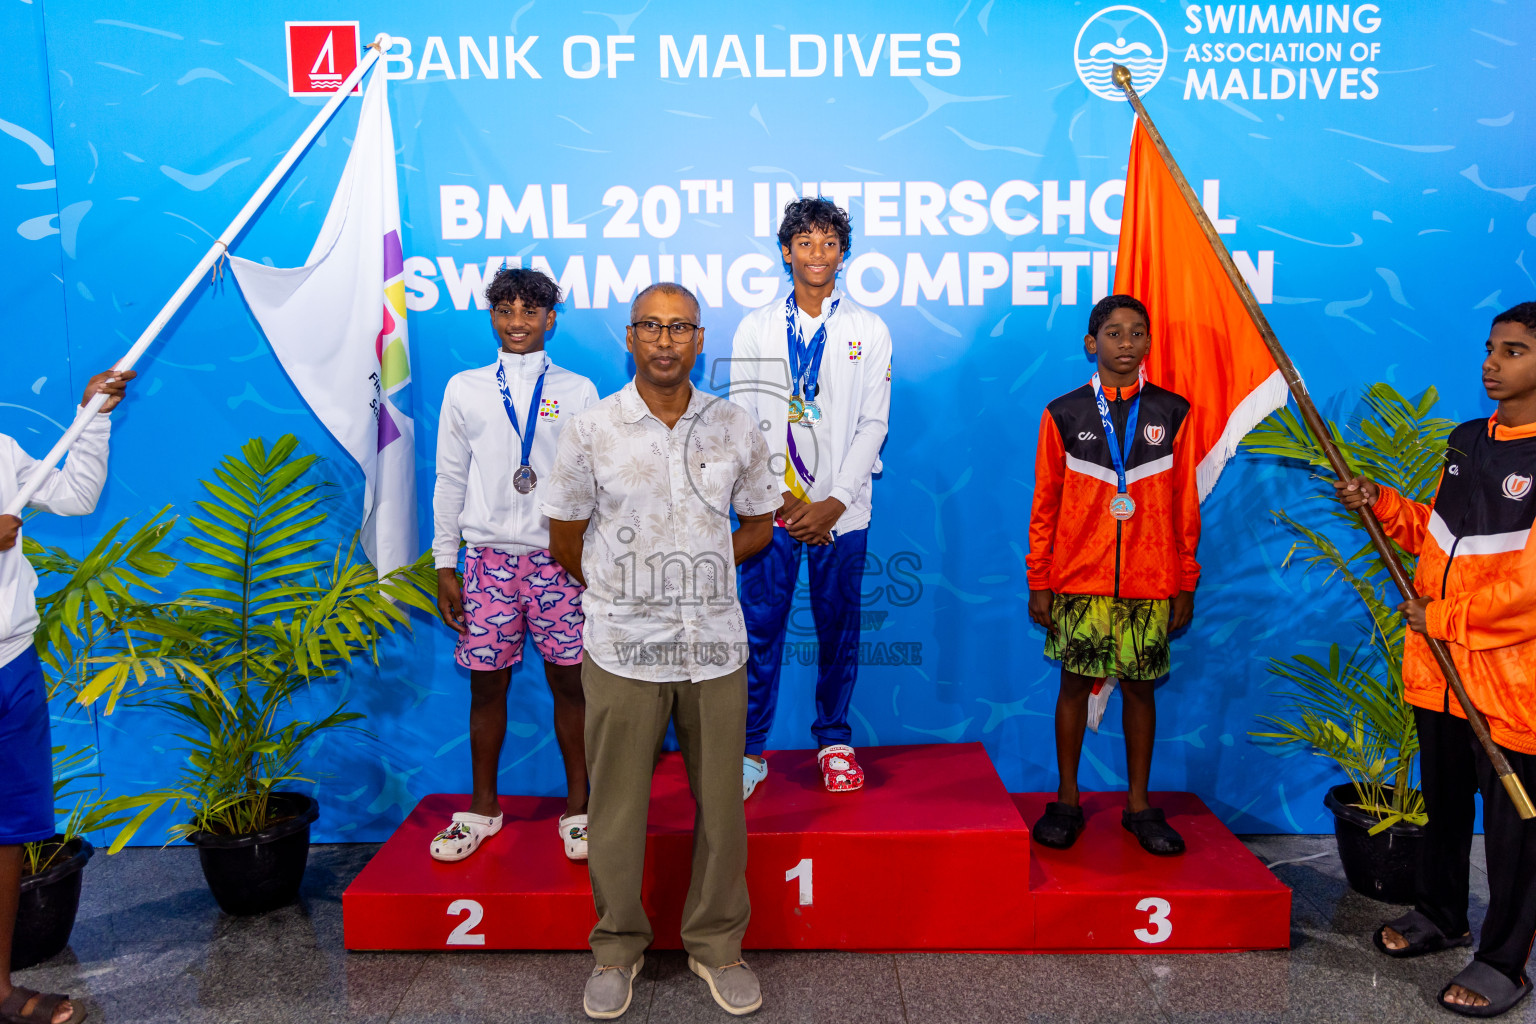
1370 165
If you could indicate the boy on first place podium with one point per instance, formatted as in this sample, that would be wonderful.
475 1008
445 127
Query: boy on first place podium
815 373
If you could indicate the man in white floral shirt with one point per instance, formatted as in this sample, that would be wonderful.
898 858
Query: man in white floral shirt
639 512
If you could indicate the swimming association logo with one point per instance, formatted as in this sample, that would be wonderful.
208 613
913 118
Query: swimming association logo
1517 486
1120 35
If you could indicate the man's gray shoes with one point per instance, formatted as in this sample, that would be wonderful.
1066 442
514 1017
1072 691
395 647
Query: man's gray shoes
734 986
609 990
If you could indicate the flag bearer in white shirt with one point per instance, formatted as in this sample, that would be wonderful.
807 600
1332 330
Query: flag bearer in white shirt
26 766
495 450
815 372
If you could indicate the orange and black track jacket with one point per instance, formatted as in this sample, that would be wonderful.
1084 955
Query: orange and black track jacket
1478 563
1075 545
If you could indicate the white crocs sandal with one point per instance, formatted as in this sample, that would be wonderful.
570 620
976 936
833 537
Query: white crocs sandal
573 830
464 836
752 772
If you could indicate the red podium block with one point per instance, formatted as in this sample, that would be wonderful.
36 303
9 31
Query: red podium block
932 854
1106 894
515 887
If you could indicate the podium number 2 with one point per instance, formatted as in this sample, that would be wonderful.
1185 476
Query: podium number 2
802 871
1157 917
464 934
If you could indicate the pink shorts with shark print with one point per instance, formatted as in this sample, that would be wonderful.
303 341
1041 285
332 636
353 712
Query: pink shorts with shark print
507 596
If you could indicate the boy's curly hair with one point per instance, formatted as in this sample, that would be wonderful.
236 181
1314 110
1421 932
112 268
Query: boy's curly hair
536 288
816 212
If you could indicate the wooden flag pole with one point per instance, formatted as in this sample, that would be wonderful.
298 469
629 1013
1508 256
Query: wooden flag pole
1314 422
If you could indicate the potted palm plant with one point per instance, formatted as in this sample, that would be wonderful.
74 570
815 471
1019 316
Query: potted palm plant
52 870
1350 708
263 622
94 593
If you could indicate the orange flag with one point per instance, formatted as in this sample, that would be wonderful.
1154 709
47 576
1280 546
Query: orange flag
1204 345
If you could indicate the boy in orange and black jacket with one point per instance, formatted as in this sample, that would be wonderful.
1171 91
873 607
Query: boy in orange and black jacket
1112 570
1477 570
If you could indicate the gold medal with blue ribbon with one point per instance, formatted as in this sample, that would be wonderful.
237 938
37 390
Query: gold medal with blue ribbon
805 363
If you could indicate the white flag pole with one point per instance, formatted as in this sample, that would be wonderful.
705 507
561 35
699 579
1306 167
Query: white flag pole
218 249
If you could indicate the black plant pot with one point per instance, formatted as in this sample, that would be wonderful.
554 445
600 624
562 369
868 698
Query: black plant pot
49 901
252 874
1380 866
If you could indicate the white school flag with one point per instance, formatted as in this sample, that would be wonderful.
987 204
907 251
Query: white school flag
337 325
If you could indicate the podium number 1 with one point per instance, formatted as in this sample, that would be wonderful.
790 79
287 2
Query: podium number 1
1157 911
802 871
464 934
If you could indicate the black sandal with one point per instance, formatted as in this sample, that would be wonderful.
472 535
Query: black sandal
1490 983
42 1011
1060 826
1422 935
1151 829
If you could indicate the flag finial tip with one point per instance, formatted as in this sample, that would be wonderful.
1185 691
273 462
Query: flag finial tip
1121 75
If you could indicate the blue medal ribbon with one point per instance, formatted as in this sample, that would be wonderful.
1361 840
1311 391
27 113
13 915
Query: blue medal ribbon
1116 454
526 436
805 358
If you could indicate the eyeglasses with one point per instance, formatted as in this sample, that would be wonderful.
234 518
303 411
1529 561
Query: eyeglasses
650 330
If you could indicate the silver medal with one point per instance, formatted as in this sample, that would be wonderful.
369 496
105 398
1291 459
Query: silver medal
524 480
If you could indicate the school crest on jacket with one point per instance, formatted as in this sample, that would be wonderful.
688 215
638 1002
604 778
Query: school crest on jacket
1075 545
1477 564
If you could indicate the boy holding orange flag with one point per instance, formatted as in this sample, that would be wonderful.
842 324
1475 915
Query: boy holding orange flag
1477 568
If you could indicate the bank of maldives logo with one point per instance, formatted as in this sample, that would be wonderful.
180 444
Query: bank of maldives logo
1120 35
321 54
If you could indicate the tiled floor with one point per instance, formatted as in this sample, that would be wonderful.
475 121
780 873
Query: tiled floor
150 945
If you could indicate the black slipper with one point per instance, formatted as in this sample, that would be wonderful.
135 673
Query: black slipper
1151 829
42 1011
1422 935
1060 826
1490 983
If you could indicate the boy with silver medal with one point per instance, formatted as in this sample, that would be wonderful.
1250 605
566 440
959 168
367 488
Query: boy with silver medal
1113 533
498 423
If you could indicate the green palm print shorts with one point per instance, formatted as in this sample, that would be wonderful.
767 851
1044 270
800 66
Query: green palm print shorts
1097 636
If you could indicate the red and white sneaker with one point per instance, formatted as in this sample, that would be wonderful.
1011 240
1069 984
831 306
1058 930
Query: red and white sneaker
840 770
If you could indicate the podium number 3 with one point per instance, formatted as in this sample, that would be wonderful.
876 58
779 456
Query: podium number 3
464 934
1157 917
802 871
